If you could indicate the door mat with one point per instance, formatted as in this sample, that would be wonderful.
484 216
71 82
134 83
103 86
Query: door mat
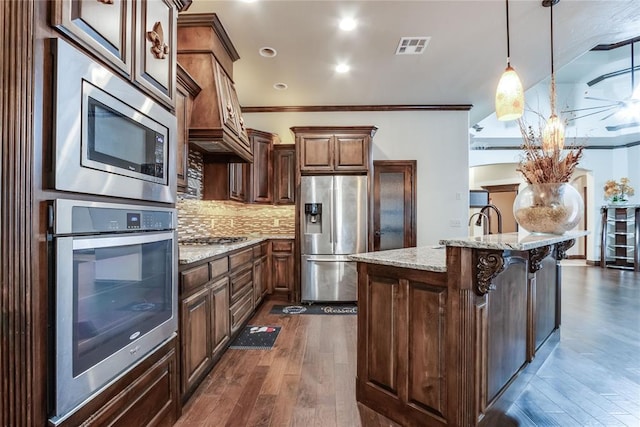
315 309
256 338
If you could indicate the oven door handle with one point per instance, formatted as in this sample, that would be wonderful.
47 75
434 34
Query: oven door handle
111 240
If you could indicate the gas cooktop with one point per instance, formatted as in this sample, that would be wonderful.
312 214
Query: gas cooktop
212 240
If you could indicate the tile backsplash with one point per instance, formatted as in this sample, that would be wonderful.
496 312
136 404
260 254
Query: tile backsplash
216 218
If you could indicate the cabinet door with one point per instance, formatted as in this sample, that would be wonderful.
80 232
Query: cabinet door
351 153
237 115
223 86
196 337
261 170
258 281
155 48
182 141
102 27
282 263
220 330
284 169
237 182
316 153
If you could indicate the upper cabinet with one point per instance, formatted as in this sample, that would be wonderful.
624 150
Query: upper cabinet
217 127
284 174
187 89
334 149
136 38
261 170
155 48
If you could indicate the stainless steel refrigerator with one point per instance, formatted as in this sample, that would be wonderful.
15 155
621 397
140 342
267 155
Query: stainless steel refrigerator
333 224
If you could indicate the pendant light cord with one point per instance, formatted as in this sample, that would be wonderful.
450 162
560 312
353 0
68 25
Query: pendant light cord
508 47
553 75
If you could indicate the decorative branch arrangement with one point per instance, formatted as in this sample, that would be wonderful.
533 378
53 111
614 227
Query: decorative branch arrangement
540 166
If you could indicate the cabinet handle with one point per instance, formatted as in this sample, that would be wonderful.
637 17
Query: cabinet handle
230 109
241 123
159 48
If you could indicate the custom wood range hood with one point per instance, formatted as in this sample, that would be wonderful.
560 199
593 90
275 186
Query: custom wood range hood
216 127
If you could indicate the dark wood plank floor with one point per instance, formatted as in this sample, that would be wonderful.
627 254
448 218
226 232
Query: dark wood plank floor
590 378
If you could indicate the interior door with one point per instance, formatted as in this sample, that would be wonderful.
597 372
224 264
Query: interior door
394 204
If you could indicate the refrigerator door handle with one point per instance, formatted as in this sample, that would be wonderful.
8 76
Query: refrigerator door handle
332 202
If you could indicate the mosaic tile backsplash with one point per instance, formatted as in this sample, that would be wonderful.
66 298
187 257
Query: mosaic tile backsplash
215 218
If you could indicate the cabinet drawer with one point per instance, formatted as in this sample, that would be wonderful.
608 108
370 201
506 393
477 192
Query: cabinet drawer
282 245
219 267
241 310
239 282
239 258
193 278
260 250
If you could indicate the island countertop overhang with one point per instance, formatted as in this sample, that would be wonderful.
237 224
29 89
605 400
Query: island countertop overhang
433 258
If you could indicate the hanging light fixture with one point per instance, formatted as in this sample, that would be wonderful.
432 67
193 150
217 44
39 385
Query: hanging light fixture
553 133
509 94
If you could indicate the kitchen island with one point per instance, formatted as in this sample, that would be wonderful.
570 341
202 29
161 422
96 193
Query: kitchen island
443 331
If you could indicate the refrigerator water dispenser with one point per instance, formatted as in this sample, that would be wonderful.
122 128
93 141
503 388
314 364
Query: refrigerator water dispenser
313 218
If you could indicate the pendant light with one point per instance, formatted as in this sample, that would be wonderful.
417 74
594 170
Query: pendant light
553 133
509 94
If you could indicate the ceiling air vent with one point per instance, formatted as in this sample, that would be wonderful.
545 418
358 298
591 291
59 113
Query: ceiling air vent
412 45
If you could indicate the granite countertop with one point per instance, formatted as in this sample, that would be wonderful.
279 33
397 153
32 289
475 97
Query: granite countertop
429 258
521 241
193 253
433 258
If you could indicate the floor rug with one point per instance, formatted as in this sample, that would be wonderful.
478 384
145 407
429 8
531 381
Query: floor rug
256 338
315 309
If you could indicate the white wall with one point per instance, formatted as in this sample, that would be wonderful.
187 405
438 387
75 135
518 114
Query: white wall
438 140
598 166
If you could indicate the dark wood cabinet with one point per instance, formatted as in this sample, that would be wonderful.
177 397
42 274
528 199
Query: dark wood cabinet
260 272
282 267
196 337
136 38
334 149
260 172
225 181
243 182
146 396
187 89
284 174
204 320
155 46
105 29
217 127
238 181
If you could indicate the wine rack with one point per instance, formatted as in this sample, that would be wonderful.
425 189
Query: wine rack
620 237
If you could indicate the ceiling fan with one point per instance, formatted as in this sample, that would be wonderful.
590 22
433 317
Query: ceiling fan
612 106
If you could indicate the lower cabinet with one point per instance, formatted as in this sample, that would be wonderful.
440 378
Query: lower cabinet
204 326
217 297
146 396
282 266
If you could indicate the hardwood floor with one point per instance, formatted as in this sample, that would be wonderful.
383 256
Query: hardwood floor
591 377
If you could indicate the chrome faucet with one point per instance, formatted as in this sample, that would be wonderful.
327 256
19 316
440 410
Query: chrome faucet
498 213
480 215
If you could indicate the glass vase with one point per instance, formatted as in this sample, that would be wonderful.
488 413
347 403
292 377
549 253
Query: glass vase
552 208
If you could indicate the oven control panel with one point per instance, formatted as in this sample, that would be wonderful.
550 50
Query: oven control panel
96 217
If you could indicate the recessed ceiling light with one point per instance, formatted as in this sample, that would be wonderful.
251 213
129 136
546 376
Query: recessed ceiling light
280 86
342 68
348 24
248 1
268 52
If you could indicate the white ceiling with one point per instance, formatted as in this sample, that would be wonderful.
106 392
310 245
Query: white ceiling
461 65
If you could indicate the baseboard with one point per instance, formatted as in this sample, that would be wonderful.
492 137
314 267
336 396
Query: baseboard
593 263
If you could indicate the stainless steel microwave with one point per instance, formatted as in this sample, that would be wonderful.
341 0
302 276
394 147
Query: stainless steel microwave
110 138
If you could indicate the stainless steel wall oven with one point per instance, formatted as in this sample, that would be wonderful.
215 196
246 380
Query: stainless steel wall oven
110 138
115 293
